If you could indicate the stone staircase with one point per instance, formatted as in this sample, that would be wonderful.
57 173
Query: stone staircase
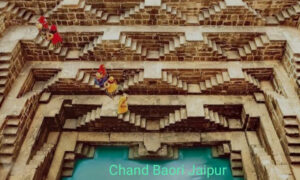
292 136
95 14
211 11
88 118
133 119
217 49
41 155
41 89
9 140
89 48
285 15
174 12
132 11
209 85
17 12
174 117
236 163
252 80
242 52
287 129
174 81
297 71
215 118
45 45
82 150
140 46
4 75
257 43
132 80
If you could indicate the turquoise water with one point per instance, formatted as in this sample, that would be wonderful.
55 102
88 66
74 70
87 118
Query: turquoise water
106 157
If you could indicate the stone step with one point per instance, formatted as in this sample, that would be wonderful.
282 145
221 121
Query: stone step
294 150
10 130
265 40
10 7
225 76
7 149
86 78
28 16
293 140
4 74
258 42
252 45
13 122
63 52
137 120
194 88
5 159
143 123
292 131
21 13
247 49
237 173
132 118
295 159
172 118
290 122
67 173
10 140
177 116
99 14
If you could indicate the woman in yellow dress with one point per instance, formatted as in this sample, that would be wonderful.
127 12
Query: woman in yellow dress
111 86
123 106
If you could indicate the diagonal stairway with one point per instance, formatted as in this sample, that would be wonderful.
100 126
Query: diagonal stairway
45 45
4 75
177 116
134 119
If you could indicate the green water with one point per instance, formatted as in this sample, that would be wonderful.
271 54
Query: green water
98 168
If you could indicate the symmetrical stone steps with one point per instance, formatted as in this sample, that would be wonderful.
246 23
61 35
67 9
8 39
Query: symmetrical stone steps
219 80
242 52
134 119
201 87
82 150
19 13
41 155
139 47
88 118
8 142
236 163
45 44
215 118
4 75
173 118
284 15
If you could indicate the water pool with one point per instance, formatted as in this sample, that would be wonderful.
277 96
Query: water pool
112 163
